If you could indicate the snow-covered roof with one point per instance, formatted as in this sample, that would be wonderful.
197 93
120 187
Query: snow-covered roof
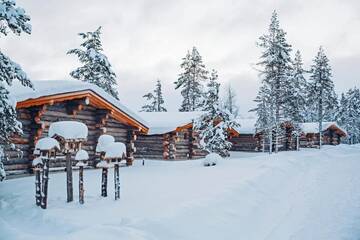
69 130
54 87
313 127
164 122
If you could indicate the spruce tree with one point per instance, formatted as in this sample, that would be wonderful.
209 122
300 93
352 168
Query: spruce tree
321 90
275 62
230 101
156 100
13 19
190 80
212 93
295 92
213 126
348 114
96 68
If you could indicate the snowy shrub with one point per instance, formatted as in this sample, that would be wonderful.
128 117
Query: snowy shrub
211 159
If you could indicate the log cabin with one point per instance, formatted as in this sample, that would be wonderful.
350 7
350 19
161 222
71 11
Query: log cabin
170 137
69 100
246 140
332 134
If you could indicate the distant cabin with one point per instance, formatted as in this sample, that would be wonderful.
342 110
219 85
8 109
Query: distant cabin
246 140
56 100
251 140
332 134
170 137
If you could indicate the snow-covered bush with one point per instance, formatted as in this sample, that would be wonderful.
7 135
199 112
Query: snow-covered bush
211 159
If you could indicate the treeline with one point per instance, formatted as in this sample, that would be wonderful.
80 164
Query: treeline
291 94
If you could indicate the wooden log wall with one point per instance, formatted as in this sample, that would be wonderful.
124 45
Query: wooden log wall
244 142
169 146
36 122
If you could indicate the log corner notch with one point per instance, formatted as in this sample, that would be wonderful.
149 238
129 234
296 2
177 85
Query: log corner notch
103 116
37 125
169 145
130 146
75 106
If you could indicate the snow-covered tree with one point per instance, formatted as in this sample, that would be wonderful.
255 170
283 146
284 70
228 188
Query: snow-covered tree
295 92
155 100
348 114
13 19
229 101
96 68
212 94
190 80
321 94
275 62
213 127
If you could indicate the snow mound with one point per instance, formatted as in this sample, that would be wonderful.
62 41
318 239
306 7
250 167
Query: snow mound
115 150
103 141
37 161
211 159
46 144
68 130
81 155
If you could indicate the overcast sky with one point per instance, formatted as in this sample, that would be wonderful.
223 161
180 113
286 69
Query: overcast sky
146 40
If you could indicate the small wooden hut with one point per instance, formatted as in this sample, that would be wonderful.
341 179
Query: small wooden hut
170 136
332 134
59 100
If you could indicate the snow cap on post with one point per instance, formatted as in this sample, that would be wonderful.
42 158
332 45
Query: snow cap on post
47 144
81 155
103 141
37 161
69 130
115 150
103 164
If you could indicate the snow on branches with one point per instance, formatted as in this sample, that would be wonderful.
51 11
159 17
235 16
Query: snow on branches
156 100
190 80
96 67
12 19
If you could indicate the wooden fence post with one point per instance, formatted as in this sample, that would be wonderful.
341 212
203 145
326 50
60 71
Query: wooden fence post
81 185
69 182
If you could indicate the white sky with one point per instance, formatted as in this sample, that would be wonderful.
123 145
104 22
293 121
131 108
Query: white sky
146 40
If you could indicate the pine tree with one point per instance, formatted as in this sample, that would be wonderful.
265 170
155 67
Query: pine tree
295 98
13 19
230 101
96 67
156 100
212 93
276 69
348 114
321 90
190 80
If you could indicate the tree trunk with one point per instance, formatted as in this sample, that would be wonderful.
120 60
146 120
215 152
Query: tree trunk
104 182
81 185
45 181
117 181
69 182
38 186
270 142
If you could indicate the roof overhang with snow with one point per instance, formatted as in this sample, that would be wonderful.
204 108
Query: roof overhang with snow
50 92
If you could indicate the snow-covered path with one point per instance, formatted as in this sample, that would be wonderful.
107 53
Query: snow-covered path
309 194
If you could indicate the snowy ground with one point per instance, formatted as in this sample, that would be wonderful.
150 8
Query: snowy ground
309 194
